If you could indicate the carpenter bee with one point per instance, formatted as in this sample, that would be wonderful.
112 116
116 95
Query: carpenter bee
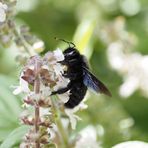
80 77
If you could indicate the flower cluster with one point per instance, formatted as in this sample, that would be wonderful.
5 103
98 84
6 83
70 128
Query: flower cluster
88 135
26 43
50 73
132 66
6 24
3 9
39 77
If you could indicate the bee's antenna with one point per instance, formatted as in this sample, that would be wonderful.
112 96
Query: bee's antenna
69 43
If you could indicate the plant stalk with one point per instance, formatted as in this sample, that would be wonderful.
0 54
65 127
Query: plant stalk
37 108
25 45
62 132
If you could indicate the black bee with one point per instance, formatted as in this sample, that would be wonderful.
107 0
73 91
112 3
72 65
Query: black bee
80 77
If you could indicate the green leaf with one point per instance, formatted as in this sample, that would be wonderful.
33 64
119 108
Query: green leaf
83 36
10 108
14 137
7 97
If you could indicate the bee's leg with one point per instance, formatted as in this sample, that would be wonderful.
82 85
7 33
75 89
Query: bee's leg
62 90
71 75
62 62
66 75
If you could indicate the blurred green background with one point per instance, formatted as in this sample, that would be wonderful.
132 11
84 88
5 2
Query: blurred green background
85 22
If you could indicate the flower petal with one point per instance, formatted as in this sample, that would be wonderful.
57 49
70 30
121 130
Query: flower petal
17 91
132 144
59 55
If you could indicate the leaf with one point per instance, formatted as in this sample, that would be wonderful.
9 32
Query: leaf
83 36
6 95
10 108
14 137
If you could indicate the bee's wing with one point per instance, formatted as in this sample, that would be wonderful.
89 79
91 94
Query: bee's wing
92 82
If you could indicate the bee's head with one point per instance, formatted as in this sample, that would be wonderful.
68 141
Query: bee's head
70 52
71 55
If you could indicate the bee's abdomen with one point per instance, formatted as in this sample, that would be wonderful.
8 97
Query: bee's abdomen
77 93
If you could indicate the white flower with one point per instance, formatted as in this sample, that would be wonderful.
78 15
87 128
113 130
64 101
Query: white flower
132 144
88 138
58 55
129 86
52 131
58 68
133 68
44 111
65 123
72 117
38 46
3 8
61 83
71 114
22 88
45 90
64 97
45 67
25 113
34 96
126 123
51 59
116 55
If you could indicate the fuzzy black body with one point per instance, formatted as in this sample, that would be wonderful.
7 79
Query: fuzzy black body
75 63
80 78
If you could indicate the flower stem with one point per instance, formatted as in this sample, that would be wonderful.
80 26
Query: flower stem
62 132
25 45
37 115
37 108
